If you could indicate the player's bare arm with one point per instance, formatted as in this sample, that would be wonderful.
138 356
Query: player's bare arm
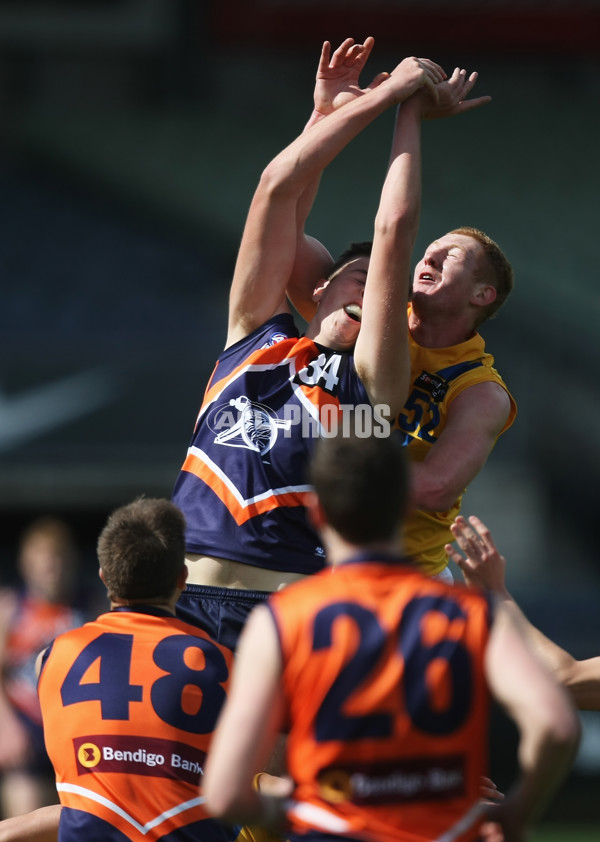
381 352
247 730
476 418
268 247
337 83
548 725
39 825
482 565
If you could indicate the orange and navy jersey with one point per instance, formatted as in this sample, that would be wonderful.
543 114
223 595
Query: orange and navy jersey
129 704
438 376
35 624
387 703
243 486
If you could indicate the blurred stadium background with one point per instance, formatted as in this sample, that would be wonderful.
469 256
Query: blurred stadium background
133 134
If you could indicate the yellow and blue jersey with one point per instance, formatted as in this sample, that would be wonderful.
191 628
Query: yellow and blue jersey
438 376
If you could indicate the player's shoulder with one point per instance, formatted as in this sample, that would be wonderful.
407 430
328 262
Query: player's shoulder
274 330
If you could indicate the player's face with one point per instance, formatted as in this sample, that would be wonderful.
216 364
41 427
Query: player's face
340 305
448 270
46 567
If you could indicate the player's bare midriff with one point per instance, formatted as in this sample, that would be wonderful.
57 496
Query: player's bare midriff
223 573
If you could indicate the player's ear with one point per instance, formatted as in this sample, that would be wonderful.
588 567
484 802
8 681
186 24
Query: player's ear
314 511
182 578
319 290
484 295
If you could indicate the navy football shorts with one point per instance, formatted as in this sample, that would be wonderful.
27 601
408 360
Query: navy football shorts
220 612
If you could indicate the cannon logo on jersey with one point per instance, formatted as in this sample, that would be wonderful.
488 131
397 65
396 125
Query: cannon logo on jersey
244 423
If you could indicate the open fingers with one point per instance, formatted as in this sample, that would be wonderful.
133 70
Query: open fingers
359 53
341 54
468 539
461 86
366 48
454 555
483 533
325 56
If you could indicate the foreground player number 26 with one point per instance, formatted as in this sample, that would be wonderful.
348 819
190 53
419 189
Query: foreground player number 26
417 656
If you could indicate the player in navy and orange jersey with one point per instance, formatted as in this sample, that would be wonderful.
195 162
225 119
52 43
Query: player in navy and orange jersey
129 701
243 485
457 405
382 678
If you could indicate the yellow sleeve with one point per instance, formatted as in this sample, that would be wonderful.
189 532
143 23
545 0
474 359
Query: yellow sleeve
257 834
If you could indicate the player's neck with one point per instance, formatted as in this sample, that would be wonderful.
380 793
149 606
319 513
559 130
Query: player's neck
439 332
339 550
163 604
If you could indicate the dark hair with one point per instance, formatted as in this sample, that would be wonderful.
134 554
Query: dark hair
362 485
497 269
141 550
359 249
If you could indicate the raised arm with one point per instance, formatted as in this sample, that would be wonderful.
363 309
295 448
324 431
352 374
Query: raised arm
336 84
268 248
482 565
381 353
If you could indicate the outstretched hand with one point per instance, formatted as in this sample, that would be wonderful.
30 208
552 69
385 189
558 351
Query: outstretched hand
338 74
452 96
482 565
